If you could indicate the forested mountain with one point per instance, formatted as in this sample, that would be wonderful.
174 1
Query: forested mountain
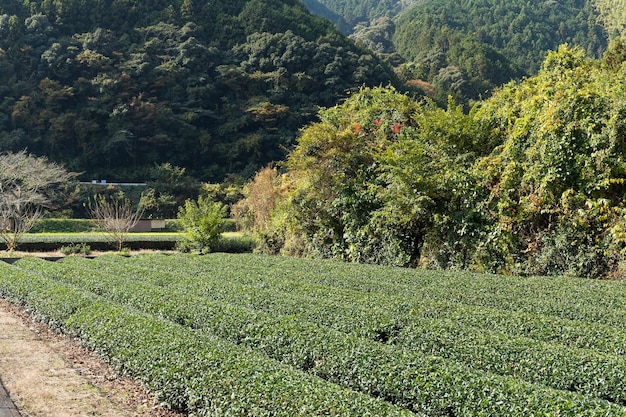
522 31
112 87
466 48
612 16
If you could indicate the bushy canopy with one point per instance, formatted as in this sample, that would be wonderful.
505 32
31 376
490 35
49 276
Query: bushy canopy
557 181
532 180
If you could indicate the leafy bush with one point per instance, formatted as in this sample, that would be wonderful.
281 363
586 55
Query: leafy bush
235 244
556 184
375 176
530 181
203 221
173 225
76 249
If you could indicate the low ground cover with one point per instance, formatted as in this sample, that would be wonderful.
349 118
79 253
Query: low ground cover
371 338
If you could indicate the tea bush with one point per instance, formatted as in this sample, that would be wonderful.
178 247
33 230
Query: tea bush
388 333
195 373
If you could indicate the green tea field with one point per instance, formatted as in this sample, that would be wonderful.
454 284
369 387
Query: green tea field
250 335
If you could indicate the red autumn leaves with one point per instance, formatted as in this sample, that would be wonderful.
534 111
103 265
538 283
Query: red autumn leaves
395 127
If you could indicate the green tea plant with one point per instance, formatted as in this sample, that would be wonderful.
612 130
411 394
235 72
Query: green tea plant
395 344
205 376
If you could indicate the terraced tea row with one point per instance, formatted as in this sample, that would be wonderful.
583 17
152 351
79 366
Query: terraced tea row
194 372
372 315
576 299
319 350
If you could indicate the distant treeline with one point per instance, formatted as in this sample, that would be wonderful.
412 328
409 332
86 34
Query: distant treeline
467 48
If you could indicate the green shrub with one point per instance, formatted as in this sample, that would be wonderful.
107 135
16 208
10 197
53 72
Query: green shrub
173 225
76 249
203 222
235 244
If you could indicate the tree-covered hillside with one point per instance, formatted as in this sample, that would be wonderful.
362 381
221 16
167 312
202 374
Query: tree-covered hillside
466 48
358 11
522 31
612 15
112 87
316 7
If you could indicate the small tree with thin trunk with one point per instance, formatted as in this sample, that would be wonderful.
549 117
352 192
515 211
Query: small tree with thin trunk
115 216
27 185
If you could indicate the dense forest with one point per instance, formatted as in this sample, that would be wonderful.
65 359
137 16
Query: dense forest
466 49
111 88
612 15
321 10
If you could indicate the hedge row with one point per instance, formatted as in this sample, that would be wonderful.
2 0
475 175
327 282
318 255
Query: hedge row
95 245
573 369
64 225
576 299
195 373
134 241
407 377
372 315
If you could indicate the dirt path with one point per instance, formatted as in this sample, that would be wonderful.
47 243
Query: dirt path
47 374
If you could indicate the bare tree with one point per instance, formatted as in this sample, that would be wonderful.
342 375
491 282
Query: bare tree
27 184
115 216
